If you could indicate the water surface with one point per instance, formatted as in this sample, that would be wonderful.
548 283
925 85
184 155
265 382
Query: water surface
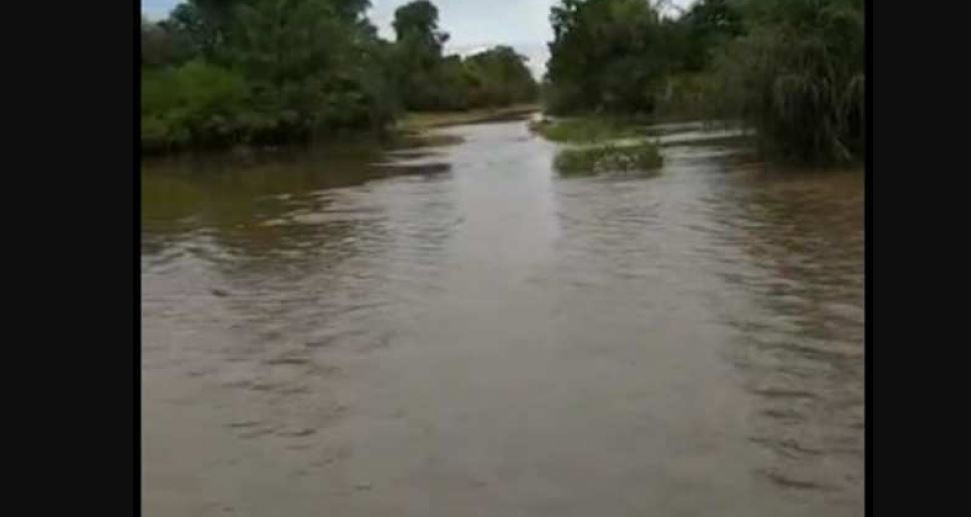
457 330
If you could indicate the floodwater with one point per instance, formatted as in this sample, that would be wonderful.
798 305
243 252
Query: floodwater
456 330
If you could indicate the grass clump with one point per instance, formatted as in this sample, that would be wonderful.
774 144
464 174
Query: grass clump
798 78
608 157
582 130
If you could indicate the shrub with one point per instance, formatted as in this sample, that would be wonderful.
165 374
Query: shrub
608 158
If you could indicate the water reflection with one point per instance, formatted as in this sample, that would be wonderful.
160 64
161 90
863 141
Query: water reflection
798 339
257 274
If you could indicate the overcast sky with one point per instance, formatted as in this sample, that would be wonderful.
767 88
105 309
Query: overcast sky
472 24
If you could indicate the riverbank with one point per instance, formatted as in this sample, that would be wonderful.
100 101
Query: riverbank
416 122
408 128
584 129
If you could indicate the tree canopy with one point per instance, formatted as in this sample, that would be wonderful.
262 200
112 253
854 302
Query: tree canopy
793 69
220 72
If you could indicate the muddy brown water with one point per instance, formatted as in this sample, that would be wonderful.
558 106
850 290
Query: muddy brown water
457 330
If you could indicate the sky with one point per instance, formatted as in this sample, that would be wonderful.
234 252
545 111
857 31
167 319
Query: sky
473 24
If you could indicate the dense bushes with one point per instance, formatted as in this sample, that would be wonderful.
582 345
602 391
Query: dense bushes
798 77
606 56
223 72
194 102
793 69
608 158
219 72
430 82
259 71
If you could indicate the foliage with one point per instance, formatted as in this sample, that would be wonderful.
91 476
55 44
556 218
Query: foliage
304 68
686 96
160 46
608 158
798 77
219 72
707 26
194 102
430 81
499 77
793 69
299 68
605 56
314 67
585 129
202 24
416 24
418 55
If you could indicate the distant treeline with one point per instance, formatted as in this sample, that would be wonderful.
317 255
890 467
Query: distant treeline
221 72
224 72
793 69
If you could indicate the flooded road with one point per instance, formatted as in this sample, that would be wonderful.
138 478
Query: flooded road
457 330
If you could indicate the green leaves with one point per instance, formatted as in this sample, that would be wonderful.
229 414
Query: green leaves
264 71
608 158
798 78
196 101
607 55
791 68
586 130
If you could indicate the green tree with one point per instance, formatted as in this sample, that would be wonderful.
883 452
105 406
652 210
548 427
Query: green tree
606 55
417 23
798 77
315 64
708 25
203 24
418 55
280 71
195 103
500 77
157 45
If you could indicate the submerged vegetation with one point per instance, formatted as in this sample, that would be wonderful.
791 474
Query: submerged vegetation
608 158
585 129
